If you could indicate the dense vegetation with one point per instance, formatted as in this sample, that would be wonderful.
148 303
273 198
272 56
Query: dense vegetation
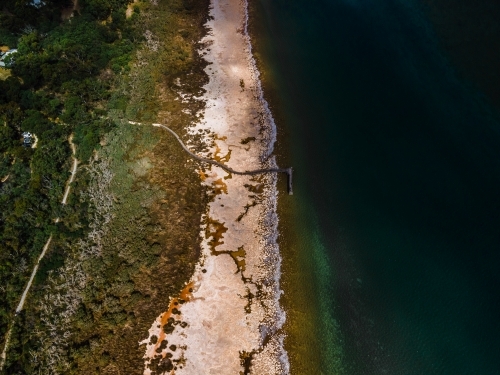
54 90
131 223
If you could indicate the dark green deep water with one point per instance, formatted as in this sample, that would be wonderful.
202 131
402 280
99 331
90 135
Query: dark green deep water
397 176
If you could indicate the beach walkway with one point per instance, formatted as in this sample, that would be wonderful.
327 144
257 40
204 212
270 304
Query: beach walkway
288 171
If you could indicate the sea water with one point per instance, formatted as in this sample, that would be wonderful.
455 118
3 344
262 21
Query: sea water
396 183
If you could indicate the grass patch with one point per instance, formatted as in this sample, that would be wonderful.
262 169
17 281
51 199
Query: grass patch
4 73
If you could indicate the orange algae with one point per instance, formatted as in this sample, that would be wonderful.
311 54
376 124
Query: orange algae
175 303
215 230
221 159
203 175
220 186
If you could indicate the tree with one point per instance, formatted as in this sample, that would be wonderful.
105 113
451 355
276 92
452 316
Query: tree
7 139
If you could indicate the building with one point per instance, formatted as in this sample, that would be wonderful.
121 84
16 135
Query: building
27 139
3 56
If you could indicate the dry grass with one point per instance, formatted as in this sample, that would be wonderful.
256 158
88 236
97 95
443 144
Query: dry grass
4 73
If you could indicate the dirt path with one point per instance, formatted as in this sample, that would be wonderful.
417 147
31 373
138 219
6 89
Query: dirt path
73 170
45 248
33 273
4 352
36 141
21 302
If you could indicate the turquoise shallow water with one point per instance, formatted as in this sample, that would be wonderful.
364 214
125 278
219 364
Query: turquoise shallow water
398 164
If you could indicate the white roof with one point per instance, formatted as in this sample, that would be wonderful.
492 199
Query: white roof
9 52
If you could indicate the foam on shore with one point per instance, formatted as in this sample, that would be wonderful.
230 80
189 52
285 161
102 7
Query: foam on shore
229 320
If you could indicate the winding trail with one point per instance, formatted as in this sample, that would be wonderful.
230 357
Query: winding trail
6 346
33 273
20 306
288 171
73 170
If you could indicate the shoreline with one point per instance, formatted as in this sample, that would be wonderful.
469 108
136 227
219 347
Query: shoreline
228 318
306 325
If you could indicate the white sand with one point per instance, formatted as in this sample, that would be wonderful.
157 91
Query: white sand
220 323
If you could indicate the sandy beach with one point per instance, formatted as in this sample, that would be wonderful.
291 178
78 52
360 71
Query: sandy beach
227 320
